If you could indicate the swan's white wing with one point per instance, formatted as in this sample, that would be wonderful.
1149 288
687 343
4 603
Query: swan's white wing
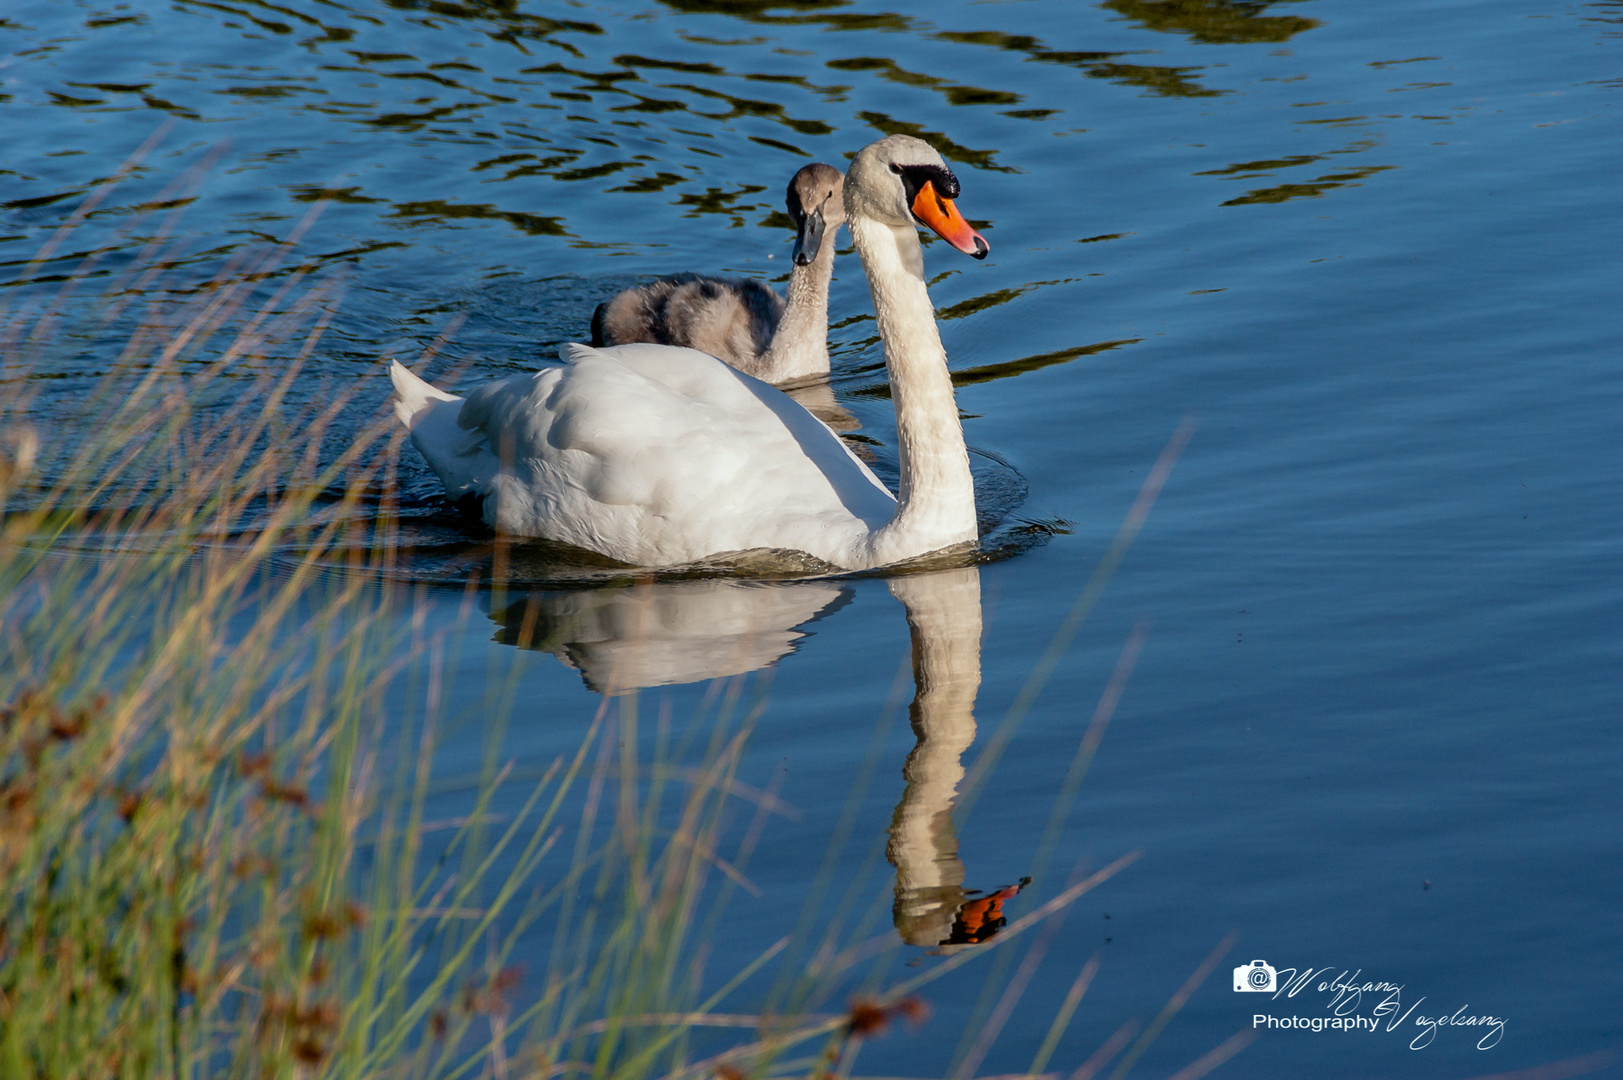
655 455
697 375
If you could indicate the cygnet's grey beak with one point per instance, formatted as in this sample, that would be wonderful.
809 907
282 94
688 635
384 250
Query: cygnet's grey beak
809 238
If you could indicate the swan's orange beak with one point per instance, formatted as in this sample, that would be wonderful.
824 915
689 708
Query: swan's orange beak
938 213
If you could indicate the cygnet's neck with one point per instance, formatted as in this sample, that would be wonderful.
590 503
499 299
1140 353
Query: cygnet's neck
799 346
936 504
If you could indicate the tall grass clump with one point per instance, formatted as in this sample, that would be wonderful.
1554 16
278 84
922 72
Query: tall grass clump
217 721
213 779
184 711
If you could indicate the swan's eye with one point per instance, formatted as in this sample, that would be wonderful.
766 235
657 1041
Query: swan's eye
895 168
915 177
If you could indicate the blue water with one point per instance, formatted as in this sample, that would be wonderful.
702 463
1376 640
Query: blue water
1370 248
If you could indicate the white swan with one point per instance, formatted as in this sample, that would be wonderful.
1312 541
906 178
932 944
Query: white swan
659 456
739 320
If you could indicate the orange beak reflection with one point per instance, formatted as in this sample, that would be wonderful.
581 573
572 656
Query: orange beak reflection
942 216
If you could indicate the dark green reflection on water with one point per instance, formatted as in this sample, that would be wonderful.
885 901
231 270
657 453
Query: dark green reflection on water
1258 167
980 303
955 93
720 201
633 60
1613 7
440 212
978 159
657 182
988 372
1165 81
1007 368
1211 21
351 195
985 301
766 110
275 26
796 13
595 81
507 13
1311 190
1217 22
1158 79
1245 170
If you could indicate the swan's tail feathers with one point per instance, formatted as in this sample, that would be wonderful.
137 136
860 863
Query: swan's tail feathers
413 398
460 458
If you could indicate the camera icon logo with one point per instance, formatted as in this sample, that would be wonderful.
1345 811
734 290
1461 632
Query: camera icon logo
1256 977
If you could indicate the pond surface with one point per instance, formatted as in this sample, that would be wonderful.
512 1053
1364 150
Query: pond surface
1370 248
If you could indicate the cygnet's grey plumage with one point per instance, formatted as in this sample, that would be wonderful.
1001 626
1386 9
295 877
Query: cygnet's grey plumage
739 320
732 319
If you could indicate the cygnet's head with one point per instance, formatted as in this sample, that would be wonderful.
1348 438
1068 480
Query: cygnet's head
816 203
902 181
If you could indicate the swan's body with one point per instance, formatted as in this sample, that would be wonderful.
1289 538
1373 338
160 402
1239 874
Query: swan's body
649 454
738 320
659 456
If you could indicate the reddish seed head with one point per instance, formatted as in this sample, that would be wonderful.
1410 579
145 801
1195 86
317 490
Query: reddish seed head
288 793
913 1009
866 1018
65 729
322 1016
320 925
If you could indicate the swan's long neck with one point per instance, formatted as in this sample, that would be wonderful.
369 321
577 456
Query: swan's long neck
799 346
936 507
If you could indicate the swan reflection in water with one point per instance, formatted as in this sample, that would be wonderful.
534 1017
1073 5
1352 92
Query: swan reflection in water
932 906
668 632
664 633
